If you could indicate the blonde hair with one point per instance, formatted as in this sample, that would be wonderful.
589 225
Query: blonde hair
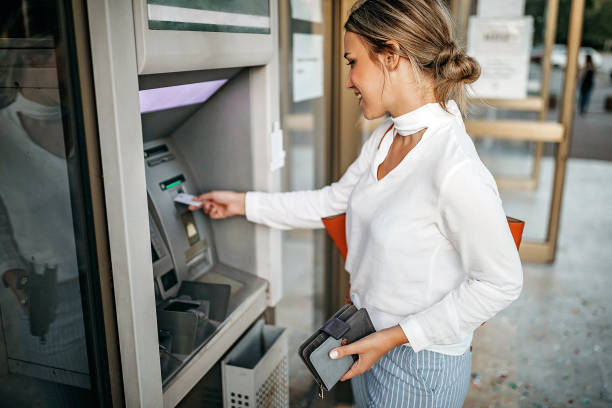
423 30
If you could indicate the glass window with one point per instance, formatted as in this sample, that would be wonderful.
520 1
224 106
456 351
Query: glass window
43 254
305 55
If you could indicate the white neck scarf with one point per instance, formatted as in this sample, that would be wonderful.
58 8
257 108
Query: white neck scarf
36 110
421 118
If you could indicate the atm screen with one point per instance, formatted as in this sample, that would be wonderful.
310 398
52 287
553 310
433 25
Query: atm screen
190 227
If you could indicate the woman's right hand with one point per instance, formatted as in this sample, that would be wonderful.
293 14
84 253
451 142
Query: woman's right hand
221 204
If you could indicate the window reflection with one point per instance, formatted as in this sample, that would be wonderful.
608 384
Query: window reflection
43 354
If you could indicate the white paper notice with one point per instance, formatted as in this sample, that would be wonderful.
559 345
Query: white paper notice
502 47
277 153
309 10
501 8
307 66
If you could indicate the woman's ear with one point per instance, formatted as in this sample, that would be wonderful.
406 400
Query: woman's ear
391 55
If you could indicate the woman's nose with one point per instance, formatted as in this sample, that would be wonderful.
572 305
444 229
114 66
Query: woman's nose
349 83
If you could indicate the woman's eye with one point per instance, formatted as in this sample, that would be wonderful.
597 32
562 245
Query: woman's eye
351 63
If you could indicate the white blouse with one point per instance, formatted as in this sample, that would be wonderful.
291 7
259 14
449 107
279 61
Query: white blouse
36 195
429 247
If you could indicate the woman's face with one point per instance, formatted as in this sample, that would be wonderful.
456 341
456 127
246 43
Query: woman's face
388 84
366 77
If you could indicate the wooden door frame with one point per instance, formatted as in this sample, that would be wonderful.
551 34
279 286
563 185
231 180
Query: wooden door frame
542 130
345 140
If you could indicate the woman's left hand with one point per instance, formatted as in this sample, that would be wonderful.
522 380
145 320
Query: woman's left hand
370 349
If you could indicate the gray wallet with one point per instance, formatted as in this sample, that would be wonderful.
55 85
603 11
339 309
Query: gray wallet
347 323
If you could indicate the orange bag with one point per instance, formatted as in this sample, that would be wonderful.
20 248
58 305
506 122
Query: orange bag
516 228
336 228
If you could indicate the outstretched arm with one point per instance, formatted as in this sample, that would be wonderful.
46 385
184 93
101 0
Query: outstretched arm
300 209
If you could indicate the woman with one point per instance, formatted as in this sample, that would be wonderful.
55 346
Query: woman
41 305
586 85
430 253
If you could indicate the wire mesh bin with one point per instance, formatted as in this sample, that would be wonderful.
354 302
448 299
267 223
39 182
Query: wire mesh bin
255 372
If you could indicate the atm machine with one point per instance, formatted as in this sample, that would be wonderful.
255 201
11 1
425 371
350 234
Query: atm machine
193 288
187 101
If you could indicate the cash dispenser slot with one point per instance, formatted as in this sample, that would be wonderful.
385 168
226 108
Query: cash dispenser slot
198 298
157 155
155 150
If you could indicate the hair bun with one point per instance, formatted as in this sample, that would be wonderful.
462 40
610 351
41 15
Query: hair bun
453 64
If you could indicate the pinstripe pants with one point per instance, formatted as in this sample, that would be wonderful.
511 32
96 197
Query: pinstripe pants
403 378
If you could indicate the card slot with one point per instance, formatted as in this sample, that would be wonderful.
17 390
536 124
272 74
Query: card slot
308 348
313 345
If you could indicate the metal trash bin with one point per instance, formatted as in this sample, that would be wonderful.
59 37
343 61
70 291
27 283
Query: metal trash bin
255 372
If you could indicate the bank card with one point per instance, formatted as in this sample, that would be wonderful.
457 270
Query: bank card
187 199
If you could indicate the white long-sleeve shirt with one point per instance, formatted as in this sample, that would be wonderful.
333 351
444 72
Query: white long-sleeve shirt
429 247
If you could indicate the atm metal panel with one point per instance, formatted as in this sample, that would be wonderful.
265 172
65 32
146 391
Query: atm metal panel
191 259
186 41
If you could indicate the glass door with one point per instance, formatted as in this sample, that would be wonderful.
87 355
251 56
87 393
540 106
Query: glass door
305 66
52 343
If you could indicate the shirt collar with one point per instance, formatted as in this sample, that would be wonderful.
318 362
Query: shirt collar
423 117
36 110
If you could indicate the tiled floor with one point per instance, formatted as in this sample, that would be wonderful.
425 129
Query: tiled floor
553 346
296 309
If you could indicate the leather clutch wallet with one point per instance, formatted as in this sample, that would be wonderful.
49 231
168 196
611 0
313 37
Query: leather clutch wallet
347 323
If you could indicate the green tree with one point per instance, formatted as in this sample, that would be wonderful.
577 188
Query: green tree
597 27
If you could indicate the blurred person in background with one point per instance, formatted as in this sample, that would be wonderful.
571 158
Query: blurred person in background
587 81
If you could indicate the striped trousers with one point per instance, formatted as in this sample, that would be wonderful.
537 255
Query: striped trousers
403 378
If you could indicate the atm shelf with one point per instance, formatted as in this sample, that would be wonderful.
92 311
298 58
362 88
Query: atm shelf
247 302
